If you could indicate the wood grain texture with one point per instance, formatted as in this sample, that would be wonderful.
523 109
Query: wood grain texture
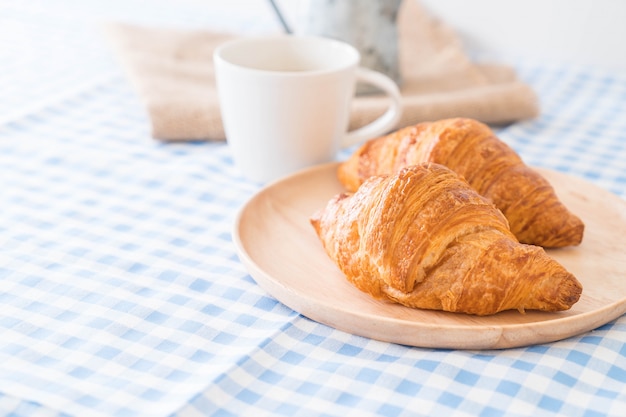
278 246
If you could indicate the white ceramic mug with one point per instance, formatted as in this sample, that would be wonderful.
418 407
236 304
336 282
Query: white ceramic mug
285 102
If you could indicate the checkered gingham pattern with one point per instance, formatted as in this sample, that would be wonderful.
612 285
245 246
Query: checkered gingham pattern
120 290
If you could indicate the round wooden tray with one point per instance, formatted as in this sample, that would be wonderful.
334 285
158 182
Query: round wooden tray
280 249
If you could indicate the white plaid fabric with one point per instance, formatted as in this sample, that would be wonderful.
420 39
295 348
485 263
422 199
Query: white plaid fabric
120 290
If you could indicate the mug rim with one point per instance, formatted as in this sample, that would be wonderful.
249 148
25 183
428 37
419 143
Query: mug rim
350 61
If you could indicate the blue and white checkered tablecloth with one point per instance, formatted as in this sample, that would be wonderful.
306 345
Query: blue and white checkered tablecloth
120 290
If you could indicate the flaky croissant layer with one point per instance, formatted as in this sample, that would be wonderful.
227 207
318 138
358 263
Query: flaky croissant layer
424 238
468 147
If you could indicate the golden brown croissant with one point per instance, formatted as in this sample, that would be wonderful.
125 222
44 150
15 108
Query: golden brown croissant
535 214
424 238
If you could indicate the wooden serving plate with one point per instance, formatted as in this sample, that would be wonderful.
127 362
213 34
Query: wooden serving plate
280 249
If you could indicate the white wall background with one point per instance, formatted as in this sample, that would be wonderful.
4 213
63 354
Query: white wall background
580 32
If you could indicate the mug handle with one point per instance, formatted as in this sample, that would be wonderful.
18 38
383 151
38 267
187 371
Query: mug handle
385 122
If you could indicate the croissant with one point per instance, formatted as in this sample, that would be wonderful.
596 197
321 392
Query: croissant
425 239
535 214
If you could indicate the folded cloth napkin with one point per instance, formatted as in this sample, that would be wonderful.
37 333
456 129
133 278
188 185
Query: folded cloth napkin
172 71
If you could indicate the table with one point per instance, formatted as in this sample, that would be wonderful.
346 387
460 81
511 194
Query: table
120 290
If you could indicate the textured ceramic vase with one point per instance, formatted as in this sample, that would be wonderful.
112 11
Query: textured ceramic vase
369 25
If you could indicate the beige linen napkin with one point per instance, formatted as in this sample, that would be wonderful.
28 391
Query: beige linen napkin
173 73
